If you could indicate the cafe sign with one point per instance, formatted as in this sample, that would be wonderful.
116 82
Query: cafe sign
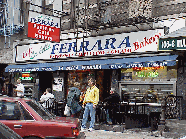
43 27
116 44
172 44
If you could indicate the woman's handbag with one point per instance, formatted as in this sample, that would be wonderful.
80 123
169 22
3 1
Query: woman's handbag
67 110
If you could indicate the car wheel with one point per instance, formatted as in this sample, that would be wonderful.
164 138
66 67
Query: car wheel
32 138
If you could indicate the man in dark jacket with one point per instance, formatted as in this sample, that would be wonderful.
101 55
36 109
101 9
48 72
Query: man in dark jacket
112 106
73 100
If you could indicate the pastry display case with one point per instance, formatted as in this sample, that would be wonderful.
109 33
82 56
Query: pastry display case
146 92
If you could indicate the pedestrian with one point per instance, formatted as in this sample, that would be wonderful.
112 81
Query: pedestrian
47 98
73 99
20 89
112 106
82 96
90 101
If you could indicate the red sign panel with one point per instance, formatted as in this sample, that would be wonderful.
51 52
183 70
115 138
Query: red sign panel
43 27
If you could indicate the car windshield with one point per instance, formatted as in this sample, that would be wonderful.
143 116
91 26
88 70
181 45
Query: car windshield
44 113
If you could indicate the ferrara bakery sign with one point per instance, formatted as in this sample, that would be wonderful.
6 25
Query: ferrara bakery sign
101 45
43 27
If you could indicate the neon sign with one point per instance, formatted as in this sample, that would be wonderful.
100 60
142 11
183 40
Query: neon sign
26 78
148 68
142 74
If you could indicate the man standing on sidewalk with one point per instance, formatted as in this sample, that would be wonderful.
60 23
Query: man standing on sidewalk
90 101
20 89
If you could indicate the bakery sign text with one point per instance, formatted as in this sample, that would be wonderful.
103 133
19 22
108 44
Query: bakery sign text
93 46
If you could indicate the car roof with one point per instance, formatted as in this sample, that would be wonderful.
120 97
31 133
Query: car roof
13 99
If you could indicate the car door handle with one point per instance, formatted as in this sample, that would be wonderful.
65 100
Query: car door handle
17 126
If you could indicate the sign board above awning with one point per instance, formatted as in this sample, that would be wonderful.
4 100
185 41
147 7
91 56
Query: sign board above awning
172 44
155 61
173 41
141 41
44 27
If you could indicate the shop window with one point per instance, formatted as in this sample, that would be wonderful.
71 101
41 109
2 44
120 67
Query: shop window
80 76
145 93
148 84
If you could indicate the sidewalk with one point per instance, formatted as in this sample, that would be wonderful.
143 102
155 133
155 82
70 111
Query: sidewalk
101 134
175 129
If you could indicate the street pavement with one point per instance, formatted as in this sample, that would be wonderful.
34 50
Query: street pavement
102 134
175 129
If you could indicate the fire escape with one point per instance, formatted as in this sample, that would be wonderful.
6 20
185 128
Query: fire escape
9 20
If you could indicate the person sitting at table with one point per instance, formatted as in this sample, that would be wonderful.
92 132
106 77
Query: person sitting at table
46 98
112 101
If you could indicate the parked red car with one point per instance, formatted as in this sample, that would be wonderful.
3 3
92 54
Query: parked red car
30 120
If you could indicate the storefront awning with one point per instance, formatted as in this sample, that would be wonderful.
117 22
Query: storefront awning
97 64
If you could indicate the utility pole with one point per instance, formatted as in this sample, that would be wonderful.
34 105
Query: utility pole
43 5
26 7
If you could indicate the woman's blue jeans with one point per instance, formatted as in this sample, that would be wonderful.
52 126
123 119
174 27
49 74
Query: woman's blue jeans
89 109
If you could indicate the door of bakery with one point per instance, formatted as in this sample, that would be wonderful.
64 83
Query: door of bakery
45 81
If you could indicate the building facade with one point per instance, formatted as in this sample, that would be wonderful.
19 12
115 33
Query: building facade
115 42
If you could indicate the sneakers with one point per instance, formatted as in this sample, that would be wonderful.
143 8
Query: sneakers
90 129
109 123
83 129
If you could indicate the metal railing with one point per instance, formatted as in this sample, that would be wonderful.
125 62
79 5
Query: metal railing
56 107
173 109
129 112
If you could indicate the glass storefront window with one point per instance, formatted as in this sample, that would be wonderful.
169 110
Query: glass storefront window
148 84
149 73
145 93
80 76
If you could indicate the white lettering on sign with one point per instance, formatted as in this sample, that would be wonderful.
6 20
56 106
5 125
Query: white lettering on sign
116 66
149 64
60 68
157 64
181 43
91 67
132 65
46 69
72 68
